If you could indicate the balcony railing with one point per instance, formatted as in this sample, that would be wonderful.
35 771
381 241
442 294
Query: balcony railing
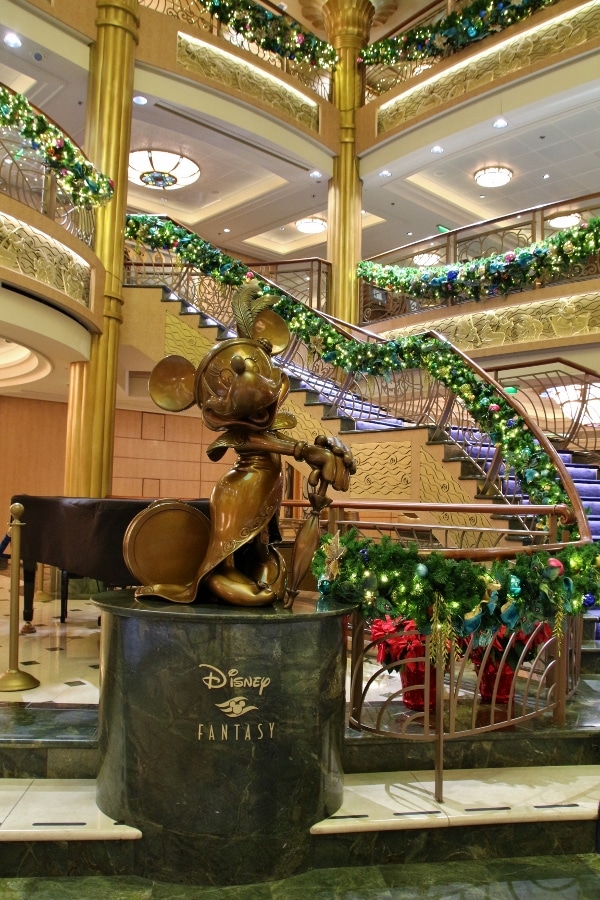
496 237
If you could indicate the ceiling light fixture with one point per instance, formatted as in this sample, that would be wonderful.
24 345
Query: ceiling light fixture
493 176
162 170
385 173
500 122
12 40
437 149
568 220
426 259
316 174
311 225
139 100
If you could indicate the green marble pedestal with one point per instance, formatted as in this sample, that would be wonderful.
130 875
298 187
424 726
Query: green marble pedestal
221 733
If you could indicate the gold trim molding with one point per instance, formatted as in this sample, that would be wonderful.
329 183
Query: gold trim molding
32 253
227 70
524 51
545 320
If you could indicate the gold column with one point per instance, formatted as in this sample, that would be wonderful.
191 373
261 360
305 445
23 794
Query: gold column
92 393
348 24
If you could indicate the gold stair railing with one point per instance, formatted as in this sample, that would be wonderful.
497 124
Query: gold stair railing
439 387
562 396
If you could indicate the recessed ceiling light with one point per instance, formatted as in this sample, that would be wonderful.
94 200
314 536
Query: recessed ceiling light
547 175
311 225
226 230
437 149
385 173
409 233
568 220
493 176
316 174
12 40
482 196
139 100
500 122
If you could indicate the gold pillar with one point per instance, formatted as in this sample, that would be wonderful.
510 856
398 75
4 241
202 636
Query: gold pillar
92 392
348 24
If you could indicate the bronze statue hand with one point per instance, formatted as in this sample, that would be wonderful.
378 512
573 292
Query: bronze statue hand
331 461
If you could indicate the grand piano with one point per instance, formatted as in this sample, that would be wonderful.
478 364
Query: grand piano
81 537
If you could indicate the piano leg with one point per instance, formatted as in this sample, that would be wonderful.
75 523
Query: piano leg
28 590
64 594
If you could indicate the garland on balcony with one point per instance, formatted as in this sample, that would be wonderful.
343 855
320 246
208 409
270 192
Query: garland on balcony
454 32
489 409
493 275
462 597
80 180
273 33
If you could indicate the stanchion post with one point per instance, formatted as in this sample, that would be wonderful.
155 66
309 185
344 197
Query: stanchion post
14 679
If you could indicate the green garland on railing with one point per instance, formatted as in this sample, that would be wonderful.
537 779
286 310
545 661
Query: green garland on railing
80 180
465 597
162 234
490 410
490 276
454 32
273 33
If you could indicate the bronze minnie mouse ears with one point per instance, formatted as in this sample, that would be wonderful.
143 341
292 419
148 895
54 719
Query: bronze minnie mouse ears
172 383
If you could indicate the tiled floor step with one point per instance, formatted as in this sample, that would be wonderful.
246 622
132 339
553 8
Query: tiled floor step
395 801
47 809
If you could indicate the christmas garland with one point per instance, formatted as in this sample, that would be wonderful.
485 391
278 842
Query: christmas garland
462 597
81 181
271 32
490 410
163 234
454 32
490 276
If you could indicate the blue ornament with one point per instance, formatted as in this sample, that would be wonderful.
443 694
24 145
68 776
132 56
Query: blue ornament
589 600
471 32
514 585
422 570
364 554
324 585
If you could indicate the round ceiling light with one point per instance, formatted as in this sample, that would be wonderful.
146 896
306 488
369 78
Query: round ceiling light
568 220
493 176
311 225
426 259
162 170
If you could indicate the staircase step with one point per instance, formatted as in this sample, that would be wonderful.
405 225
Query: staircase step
590 657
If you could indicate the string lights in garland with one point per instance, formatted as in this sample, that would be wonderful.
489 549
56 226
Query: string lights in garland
489 409
454 32
462 597
159 233
273 33
81 181
501 274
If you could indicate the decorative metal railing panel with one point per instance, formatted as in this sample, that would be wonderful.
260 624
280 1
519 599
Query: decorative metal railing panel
306 279
32 253
24 178
562 397
192 13
512 681
145 267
